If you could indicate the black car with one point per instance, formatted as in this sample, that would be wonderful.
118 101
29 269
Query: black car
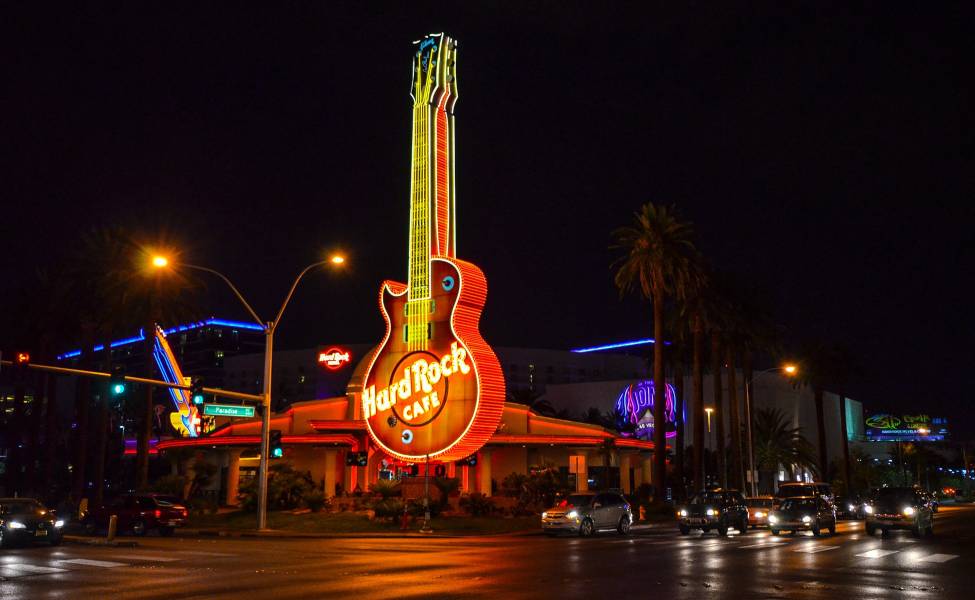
714 509
900 508
797 490
813 513
26 521
849 507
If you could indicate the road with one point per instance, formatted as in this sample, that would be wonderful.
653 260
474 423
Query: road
658 564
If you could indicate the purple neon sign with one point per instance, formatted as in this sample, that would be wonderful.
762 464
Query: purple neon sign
634 410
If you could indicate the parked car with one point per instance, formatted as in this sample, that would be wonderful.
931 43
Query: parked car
27 521
758 510
900 508
140 513
813 513
714 509
849 507
585 513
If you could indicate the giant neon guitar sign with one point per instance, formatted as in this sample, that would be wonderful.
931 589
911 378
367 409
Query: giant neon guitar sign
433 387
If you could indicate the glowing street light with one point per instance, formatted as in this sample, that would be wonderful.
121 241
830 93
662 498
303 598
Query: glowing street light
790 369
269 328
709 410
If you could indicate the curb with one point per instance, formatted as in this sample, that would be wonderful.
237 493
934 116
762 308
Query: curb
91 541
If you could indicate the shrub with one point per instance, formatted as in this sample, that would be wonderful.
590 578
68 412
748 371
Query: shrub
315 500
417 509
173 485
386 489
285 489
388 508
477 504
447 486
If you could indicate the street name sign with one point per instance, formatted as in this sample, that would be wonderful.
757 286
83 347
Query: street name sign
227 410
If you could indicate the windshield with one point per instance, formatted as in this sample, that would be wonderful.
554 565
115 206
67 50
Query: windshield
804 504
705 499
580 500
21 507
791 491
168 500
759 502
895 494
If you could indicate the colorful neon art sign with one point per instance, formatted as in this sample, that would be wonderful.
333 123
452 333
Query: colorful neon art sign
433 388
634 410
334 358
905 428
186 418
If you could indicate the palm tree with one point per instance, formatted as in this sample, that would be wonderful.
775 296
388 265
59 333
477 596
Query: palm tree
778 445
658 250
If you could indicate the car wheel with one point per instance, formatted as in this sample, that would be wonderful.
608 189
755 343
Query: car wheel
90 527
871 529
705 529
916 531
722 530
623 528
774 531
815 529
884 532
139 528
743 529
586 529
832 528
56 541
684 529
166 531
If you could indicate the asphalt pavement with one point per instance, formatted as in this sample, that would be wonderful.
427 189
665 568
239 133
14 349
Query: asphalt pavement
658 563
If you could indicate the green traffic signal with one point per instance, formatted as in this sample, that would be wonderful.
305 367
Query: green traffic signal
196 391
277 452
118 389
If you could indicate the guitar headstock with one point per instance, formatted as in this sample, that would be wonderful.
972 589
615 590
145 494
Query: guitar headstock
435 70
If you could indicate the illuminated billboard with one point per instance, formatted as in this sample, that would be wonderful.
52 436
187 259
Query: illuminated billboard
634 410
905 428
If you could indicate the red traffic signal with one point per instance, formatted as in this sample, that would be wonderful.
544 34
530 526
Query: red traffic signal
22 358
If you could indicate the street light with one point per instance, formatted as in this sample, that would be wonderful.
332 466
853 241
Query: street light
791 370
269 328
707 442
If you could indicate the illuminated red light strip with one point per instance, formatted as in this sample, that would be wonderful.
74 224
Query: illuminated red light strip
254 440
327 425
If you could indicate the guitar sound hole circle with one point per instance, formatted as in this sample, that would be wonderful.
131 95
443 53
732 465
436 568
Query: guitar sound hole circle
448 283
407 436
443 396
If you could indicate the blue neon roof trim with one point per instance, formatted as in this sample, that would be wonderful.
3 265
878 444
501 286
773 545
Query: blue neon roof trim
186 327
644 342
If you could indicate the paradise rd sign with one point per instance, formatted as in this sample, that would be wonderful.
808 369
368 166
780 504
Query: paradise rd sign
227 410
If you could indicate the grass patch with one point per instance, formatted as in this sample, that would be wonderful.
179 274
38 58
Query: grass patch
353 523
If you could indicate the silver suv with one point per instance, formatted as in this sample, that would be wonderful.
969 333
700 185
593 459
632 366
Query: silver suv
586 513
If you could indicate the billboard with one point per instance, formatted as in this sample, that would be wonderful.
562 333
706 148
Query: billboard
886 427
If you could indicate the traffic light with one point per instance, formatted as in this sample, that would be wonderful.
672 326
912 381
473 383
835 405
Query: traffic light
277 451
116 384
196 391
21 362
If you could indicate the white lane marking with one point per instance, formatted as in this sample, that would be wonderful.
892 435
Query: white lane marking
877 553
765 545
815 549
105 564
30 568
145 557
938 558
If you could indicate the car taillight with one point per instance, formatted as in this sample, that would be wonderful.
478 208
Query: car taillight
184 513
158 514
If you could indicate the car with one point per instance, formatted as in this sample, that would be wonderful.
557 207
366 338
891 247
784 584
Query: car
586 513
27 521
813 513
797 489
849 507
758 509
899 508
714 509
139 513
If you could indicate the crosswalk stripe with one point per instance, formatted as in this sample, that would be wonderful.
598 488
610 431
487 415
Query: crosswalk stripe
765 545
877 553
815 549
31 568
938 558
106 564
146 557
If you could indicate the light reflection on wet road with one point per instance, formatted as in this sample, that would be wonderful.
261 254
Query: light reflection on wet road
656 564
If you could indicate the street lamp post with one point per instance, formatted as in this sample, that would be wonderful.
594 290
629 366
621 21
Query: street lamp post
269 329
752 476
707 442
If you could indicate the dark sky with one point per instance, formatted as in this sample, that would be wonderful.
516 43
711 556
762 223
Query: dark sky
821 151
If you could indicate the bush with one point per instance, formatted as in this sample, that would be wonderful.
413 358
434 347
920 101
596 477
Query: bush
477 505
200 506
417 509
386 489
173 485
447 486
286 488
388 508
315 500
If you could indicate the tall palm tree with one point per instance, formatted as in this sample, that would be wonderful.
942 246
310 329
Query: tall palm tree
778 445
657 252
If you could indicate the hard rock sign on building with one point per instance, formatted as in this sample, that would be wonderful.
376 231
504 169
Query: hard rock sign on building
432 389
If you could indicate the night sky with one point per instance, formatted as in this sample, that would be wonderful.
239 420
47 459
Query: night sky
821 152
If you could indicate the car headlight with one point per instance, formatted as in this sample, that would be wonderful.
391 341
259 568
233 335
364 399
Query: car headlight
573 514
852 508
59 523
772 519
683 512
759 514
16 525
908 511
868 509
806 519
712 512
544 514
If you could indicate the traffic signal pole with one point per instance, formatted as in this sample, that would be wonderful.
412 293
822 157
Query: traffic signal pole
142 380
265 426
